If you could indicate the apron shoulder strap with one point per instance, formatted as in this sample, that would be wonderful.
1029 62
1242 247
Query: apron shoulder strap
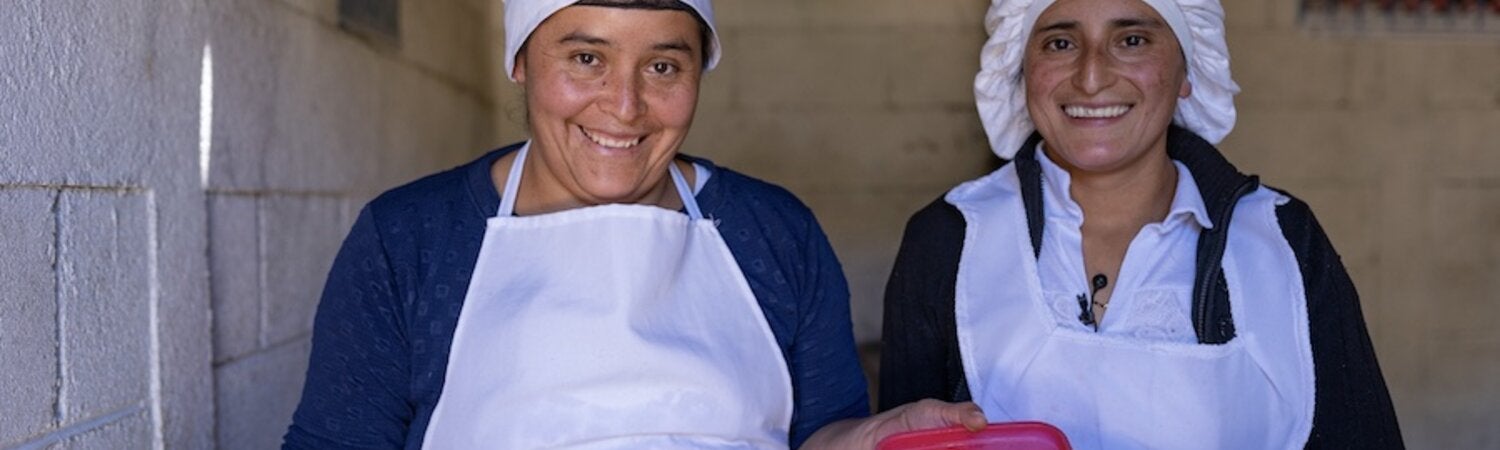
685 191
513 182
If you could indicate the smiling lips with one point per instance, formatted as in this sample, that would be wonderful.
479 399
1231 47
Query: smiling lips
1091 112
612 142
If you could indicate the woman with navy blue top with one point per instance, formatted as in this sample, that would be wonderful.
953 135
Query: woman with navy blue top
591 287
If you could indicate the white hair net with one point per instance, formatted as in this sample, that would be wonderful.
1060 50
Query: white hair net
523 16
1000 92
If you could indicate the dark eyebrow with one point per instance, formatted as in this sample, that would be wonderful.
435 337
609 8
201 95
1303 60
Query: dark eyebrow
579 37
1064 25
677 45
1138 22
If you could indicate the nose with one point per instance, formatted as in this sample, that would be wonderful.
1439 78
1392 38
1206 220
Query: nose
623 97
1095 71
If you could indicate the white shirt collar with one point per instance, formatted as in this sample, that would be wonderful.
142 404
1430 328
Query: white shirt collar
1187 202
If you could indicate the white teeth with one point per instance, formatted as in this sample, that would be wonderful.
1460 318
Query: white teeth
1084 112
612 143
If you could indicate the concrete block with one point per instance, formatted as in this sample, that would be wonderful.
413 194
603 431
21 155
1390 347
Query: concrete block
957 14
1285 14
1464 397
234 268
1460 144
428 126
133 431
937 66
813 69
326 11
101 83
1427 74
448 38
257 395
865 229
1465 260
28 324
1464 75
1399 323
326 85
851 151
1306 147
1384 77
104 302
299 237
1261 62
1248 15
793 14
250 41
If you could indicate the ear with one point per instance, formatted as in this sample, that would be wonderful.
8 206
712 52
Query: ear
1186 90
519 73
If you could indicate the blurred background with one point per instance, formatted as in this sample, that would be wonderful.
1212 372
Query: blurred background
176 176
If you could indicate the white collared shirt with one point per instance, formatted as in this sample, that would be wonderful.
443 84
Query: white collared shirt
1152 297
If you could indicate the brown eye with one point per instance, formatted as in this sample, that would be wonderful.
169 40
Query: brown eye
1134 41
586 59
662 68
1058 45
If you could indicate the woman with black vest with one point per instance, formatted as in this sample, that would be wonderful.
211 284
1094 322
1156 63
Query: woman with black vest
1119 278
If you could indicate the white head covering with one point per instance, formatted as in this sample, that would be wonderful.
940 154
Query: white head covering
523 16
1000 90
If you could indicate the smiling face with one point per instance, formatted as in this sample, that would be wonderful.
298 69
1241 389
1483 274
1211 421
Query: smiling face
610 94
1102 82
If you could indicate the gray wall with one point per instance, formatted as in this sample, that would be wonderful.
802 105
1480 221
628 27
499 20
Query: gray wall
104 230
157 282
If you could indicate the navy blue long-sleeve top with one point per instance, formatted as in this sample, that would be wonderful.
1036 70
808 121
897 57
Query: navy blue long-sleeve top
388 312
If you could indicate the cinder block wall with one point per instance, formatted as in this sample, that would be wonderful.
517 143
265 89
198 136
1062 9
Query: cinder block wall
165 241
315 122
103 310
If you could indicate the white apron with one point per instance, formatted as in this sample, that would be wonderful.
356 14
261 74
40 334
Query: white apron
1120 392
610 327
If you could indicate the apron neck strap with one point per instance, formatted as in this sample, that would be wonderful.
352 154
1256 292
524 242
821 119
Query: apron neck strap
689 202
513 184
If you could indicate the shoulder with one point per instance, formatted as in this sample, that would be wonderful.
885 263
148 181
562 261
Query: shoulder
1300 226
931 246
739 200
937 218
464 191
417 196
731 187
1323 274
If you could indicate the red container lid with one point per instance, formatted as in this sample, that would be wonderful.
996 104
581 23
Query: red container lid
1007 436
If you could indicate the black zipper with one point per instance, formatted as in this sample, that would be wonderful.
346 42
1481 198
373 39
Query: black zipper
1215 262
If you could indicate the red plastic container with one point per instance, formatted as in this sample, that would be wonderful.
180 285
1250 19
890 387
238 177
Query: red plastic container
997 436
